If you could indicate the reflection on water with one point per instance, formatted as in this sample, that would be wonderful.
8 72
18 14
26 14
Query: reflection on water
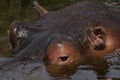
83 72
74 71
36 70
39 71
11 10
62 71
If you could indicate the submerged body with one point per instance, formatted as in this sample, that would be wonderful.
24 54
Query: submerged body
69 35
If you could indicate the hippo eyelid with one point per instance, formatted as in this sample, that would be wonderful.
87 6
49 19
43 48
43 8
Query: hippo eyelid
63 58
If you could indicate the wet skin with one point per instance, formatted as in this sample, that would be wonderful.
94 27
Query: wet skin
62 53
92 26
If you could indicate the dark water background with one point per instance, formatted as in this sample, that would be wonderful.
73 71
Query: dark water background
11 10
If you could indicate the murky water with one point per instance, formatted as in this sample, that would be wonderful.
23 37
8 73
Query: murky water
88 72
11 10
39 71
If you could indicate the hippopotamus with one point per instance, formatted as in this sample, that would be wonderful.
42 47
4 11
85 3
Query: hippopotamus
68 35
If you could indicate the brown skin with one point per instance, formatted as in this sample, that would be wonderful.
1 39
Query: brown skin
107 39
62 53
75 21
108 42
19 32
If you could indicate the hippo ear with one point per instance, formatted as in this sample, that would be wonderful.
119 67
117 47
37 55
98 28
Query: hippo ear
96 38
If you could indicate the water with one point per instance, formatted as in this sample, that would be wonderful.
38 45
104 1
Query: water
35 70
84 72
11 10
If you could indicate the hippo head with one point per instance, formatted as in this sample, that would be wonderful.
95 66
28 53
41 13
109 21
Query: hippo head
62 50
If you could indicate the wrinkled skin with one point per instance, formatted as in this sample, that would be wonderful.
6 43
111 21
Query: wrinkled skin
71 34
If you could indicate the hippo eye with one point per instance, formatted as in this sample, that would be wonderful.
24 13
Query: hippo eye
63 58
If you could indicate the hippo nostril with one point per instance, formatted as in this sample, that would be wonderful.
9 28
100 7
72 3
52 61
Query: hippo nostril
63 58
